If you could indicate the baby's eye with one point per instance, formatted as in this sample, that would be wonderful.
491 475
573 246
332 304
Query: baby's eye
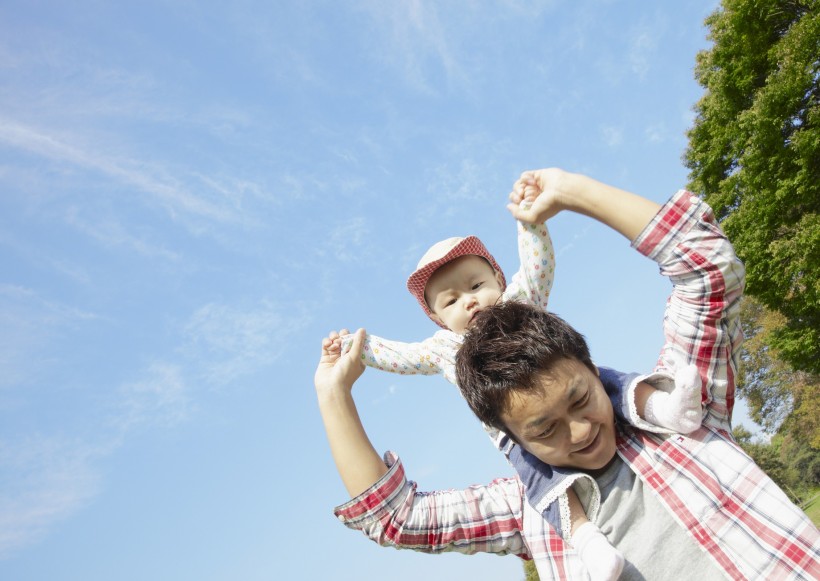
449 303
477 285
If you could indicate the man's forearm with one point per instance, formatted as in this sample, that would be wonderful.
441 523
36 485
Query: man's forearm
622 211
357 461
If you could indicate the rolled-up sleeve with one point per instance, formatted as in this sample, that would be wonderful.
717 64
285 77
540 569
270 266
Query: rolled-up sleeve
393 512
702 321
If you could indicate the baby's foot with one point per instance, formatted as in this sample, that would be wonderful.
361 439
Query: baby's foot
680 410
603 561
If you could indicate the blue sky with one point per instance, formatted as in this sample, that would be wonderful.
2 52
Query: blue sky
193 193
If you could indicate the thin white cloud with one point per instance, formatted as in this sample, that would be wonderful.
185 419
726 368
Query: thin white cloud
656 133
237 191
227 342
621 64
347 241
612 136
44 481
409 257
414 40
387 394
570 246
166 190
301 187
50 311
453 184
27 320
160 398
345 155
112 233
641 48
460 183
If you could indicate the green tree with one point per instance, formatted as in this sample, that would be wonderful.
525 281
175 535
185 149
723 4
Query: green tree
754 153
780 399
785 461
785 402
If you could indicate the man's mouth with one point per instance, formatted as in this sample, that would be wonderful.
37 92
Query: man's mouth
591 447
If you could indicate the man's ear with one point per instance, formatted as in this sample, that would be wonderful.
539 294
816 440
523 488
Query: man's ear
597 371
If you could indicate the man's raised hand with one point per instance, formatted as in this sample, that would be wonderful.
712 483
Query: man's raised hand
537 195
337 370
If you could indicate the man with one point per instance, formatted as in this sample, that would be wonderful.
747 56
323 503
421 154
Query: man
675 505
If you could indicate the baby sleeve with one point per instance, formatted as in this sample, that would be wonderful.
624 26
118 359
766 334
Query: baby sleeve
533 281
432 356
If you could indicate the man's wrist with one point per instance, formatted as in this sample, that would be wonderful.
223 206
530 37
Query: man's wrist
333 396
577 193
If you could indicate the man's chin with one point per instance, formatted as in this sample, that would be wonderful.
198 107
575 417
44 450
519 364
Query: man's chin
600 454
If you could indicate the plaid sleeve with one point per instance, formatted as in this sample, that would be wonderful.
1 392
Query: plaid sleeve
701 322
484 519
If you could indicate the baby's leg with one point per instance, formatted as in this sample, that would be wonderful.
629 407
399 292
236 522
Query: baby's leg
603 561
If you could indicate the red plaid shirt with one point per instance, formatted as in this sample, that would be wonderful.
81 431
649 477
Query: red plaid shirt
743 521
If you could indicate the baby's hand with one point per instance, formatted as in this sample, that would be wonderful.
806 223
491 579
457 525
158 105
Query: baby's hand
345 341
332 346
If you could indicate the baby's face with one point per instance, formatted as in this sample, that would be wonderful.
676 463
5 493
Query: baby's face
460 289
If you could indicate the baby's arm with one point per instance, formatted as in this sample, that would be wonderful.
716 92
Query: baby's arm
435 355
533 281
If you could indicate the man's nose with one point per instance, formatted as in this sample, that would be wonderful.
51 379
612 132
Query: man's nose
579 429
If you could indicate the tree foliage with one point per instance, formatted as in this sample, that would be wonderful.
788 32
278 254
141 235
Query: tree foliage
754 153
779 398
792 465
785 402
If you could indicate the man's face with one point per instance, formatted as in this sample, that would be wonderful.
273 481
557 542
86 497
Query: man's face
460 289
569 422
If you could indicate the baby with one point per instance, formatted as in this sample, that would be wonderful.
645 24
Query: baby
457 278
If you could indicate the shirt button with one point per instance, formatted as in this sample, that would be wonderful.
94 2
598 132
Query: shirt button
694 199
342 518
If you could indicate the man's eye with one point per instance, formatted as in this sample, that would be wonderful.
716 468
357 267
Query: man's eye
547 433
583 401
